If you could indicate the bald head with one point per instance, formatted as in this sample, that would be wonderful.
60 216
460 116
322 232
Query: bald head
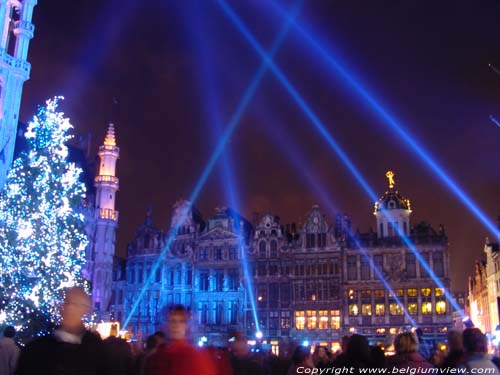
76 304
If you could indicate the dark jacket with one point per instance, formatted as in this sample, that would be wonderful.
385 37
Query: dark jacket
50 355
408 360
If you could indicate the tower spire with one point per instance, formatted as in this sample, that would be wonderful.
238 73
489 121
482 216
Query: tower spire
106 223
110 139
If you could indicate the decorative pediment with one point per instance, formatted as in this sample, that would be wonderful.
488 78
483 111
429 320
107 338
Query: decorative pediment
218 233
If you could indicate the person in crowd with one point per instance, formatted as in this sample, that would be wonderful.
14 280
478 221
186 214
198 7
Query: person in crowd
160 337
149 348
339 358
301 361
9 351
119 354
242 362
475 356
437 357
70 348
377 356
407 354
455 350
220 358
357 355
178 357
321 357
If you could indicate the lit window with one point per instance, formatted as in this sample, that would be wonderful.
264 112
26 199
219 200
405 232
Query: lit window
312 320
380 331
395 309
412 292
380 293
438 292
379 309
440 307
323 319
393 331
300 320
426 292
366 293
353 310
351 294
412 308
426 308
334 319
366 310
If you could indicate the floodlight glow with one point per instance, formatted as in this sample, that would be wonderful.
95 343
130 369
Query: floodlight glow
393 124
329 139
245 100
259 335
305 343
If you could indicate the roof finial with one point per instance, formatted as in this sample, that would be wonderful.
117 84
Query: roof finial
110 139
390 175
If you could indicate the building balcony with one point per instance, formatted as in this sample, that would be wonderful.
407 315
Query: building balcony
108 214
106 149
22 66
106 179
24 27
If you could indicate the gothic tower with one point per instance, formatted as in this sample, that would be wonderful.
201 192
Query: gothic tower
392 211
16 31
106 184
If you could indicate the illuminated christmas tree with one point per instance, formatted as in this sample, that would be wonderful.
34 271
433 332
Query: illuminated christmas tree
42 237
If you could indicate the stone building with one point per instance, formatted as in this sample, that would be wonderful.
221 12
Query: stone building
311 284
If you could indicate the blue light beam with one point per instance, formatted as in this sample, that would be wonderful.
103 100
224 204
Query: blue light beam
211 104
243 104
393 124
328 138
291 150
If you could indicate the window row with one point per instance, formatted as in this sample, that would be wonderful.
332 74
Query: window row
361 267
218 281
380 309
352 294
219 312
218 253
268 251
317 319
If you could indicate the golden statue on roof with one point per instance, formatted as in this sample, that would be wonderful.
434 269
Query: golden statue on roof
390 175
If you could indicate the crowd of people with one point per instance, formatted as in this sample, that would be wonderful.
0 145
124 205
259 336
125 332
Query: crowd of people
71 349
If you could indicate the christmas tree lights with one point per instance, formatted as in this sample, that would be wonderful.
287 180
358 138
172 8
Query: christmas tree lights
42 236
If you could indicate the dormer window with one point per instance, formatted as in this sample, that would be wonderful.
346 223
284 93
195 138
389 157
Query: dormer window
392 204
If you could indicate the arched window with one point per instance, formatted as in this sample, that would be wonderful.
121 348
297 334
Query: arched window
274 249
262 249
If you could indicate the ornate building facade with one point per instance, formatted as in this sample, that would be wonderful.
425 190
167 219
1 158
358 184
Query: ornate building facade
312 284
16 30
484 287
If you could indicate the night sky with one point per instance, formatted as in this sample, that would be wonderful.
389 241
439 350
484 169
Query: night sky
174 65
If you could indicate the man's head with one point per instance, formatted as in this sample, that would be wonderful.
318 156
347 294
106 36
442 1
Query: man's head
75 305
9 331
177 319
406 342
474 341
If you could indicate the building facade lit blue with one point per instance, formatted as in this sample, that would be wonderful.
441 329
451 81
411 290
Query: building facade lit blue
310 282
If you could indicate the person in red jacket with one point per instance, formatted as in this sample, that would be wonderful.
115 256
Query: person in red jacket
178 357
